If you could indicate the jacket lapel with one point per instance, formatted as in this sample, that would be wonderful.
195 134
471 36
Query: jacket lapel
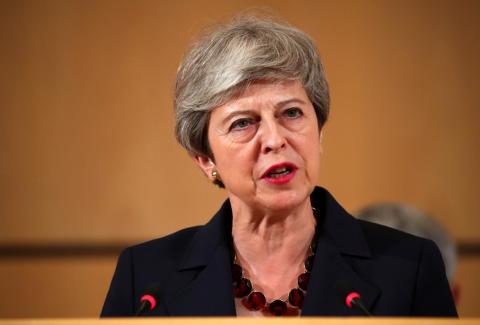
340 243
323 297
207 263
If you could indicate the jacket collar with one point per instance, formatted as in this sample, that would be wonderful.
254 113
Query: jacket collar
336 223
340 239
208 257
340 244
216 233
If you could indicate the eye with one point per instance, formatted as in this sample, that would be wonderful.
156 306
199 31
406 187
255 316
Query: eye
293 112
241 124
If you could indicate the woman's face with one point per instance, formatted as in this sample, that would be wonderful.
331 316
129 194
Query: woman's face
267 146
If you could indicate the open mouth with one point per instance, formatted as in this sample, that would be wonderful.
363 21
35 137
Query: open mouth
279 172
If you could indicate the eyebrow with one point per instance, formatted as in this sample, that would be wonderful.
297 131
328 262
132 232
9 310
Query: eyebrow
288 101
251 111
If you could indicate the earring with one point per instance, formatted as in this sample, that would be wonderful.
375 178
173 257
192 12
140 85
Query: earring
217 180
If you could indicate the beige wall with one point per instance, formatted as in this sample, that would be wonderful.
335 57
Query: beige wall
86 123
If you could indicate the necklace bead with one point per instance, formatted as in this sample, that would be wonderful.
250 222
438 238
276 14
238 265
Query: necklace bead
277 307
256 300
303 280
242 288
296 297
309 262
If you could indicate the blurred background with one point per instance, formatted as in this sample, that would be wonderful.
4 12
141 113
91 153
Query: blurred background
89 163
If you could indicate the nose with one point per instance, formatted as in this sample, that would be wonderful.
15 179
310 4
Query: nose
272 137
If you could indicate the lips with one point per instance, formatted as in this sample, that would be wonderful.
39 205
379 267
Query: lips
279 171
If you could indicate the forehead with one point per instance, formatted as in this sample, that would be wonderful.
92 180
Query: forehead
264 94
269 90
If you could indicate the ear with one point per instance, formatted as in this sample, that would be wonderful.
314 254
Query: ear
206 165
321 141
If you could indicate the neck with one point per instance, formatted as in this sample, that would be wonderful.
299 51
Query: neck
272 247
273 237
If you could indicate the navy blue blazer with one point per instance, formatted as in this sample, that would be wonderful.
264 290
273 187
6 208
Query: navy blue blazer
397 274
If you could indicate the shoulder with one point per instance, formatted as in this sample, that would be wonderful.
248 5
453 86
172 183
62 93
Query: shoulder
385 240
362 238
140 266
397 247
416 267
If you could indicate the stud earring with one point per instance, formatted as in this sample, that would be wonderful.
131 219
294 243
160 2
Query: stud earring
217 180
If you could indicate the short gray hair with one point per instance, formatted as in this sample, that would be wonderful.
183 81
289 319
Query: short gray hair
411 220
225 61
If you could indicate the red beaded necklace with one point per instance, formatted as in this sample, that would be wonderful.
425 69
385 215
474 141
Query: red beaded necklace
242 287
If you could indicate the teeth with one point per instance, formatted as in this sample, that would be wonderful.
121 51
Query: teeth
279 172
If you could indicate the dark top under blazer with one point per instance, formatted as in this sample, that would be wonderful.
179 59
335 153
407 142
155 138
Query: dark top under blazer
397 274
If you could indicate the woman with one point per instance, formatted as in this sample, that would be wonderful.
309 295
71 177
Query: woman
251 101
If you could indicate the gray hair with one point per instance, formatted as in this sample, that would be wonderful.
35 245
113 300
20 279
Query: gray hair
415 222
225 61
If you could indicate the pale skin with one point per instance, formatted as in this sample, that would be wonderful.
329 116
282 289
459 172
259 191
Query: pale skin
270 123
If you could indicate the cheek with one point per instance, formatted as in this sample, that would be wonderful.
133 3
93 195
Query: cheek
312 155
233 161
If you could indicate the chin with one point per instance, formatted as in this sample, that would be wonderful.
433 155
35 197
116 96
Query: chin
285 201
